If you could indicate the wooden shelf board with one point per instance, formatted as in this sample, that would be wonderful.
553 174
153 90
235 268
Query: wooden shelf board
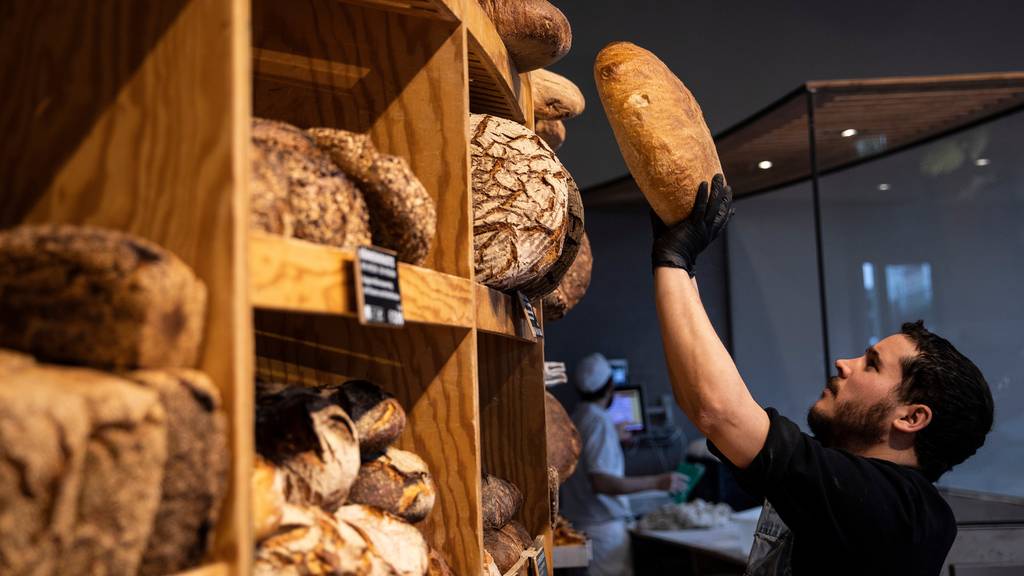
295 275
438 9
497 313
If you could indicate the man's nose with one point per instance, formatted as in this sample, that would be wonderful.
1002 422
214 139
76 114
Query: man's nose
843 368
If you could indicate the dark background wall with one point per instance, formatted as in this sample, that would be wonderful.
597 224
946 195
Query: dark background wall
736 57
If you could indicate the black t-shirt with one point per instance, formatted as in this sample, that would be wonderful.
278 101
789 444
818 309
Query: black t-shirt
848 514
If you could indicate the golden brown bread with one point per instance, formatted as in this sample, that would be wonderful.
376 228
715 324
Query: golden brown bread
311 542
573 286
535 33
551 131
399 545
555 97
505 546
397 482
562 438
378 416
659 127
267 498
500 500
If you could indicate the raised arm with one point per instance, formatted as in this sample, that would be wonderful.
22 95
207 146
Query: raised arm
704 378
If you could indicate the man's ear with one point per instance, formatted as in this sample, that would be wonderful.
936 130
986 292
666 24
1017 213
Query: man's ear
912 418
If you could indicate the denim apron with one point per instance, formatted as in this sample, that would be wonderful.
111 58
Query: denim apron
773 546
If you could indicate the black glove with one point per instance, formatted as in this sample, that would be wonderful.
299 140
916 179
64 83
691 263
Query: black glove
678 246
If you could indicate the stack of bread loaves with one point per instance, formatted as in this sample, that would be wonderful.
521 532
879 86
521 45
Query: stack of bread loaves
332 496
112 446
333 187
505 539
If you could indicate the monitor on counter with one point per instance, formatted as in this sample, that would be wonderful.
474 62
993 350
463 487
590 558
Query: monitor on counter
628 407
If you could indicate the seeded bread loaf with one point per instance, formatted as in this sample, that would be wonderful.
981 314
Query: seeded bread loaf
403 216
325 205
659 127
99 298
270 210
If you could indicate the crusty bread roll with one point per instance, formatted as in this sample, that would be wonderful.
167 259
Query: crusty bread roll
500 500
403 216
573 286
397 482
82 456
98 297
326 206
515 529
551 131
504 546
195 476
535 33
520 205
311 542
378 416
659 127
563 439
399 544
555 97
313 441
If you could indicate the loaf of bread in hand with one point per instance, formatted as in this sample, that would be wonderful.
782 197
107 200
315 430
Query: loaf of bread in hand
659 127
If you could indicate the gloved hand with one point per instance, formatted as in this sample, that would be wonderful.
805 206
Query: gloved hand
678 246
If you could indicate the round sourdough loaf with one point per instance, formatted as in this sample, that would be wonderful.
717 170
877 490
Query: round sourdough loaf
573 286
555 97
520 205
378 416
659 127
500 500
397 482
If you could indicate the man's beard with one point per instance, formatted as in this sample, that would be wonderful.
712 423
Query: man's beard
851 428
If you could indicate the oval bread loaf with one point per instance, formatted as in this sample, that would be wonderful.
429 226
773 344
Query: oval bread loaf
311 542
573 286
314 443
555 97
378 416
535 33
397 482
99 298
403 216
520 204
563 439
504 546
551 131
398 544
500 500
659 127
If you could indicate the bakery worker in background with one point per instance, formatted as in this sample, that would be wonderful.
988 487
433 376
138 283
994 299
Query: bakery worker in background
593 497
857 498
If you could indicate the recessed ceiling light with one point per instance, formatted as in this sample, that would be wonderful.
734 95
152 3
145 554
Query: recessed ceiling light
764 164
848 132
883 187
982 162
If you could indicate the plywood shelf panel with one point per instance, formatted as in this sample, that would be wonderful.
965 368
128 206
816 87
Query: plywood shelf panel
498 314
294 275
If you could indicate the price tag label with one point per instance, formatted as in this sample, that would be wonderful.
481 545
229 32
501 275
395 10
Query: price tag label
539 563
378 298
530 315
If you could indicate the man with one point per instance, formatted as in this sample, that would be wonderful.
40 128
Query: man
857 498
593 497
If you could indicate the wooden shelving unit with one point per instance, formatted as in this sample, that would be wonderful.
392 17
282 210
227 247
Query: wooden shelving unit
137 118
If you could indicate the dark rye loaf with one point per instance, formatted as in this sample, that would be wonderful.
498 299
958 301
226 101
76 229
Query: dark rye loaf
99 298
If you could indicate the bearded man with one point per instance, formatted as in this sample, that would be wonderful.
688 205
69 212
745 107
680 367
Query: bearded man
858 497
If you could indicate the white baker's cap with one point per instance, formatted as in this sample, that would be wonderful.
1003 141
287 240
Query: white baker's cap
592 373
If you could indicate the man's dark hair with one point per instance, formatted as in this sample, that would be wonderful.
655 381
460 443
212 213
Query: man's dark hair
596 394
946 381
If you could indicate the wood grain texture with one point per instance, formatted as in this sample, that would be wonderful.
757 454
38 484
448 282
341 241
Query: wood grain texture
401 78
136 117
289 274
431 371
497 313
512 427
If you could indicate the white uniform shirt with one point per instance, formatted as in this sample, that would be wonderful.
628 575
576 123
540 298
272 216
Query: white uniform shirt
601 454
